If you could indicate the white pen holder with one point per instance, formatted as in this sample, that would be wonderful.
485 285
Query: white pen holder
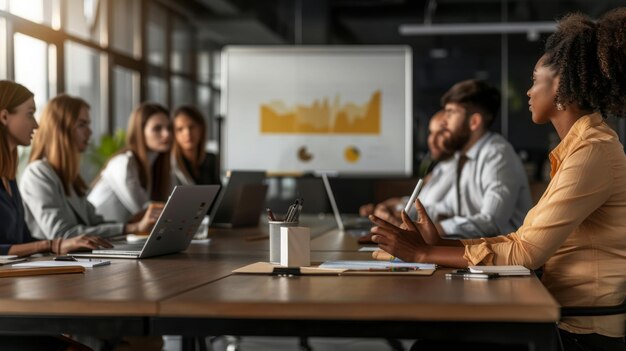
295 246
274 229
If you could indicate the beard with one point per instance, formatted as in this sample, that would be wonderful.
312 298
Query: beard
438 145
458 139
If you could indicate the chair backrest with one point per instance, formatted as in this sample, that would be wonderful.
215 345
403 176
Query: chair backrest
594 310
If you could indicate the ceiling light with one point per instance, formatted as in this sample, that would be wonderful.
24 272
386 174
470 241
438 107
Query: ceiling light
476 28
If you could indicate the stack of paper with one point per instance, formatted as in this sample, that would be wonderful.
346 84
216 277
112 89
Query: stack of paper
365 265
343 268
10 259
501 270
81 263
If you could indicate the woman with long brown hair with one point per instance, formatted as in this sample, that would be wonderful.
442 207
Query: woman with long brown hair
52 188
17 124
140 173
190 162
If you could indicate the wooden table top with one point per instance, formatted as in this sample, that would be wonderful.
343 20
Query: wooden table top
416 298
125 287
198 283
130 287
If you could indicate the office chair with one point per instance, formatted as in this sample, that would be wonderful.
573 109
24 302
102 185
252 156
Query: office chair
586 311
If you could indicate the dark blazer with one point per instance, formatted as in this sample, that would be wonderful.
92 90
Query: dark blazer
209 172
13 229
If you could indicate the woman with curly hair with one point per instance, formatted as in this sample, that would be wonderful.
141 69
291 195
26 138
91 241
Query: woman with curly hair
577 230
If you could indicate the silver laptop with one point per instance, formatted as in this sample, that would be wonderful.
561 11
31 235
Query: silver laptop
184 211
357 226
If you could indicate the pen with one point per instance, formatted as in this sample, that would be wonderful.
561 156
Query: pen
416 192
270 215
289 213
393 269
381 255
463 274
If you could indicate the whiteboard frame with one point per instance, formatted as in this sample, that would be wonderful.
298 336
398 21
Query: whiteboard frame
408 99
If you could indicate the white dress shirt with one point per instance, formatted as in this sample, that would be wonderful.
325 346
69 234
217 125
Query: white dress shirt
118 193
436 188
441 180
494 192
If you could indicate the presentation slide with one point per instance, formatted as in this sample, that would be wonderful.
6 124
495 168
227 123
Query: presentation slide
318 109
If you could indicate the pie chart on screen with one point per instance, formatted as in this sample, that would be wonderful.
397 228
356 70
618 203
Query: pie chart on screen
352 154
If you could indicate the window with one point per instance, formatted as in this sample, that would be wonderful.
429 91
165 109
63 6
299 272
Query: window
127 27
3 48
85 18
181 53
203 67
157 22
126 95
182 92
216 104
82 79
39 11
216 68
33 59
157 90
204 105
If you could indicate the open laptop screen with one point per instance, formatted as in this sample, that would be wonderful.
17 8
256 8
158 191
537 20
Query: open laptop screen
360 225
230 210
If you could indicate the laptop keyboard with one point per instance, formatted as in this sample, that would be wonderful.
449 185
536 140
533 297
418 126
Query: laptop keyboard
122 249
116 252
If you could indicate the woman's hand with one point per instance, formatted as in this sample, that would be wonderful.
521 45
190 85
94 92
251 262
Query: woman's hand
424 225
406 244
387 213
83 242
384 210
147 221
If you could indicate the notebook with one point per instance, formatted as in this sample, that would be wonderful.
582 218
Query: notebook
357 226
501 270
338 268
184 211
241 201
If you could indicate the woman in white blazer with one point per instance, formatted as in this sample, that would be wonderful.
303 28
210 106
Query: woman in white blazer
54 193
140 173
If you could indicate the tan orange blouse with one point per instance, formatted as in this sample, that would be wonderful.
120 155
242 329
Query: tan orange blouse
577 230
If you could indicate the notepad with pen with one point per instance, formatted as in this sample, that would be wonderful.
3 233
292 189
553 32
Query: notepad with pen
339 268
502 271
27 272
90 263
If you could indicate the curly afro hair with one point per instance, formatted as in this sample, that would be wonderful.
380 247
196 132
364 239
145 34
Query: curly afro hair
590 58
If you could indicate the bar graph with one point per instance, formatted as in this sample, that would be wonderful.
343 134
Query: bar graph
322 117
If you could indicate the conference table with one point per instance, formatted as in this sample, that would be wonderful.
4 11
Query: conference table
194 294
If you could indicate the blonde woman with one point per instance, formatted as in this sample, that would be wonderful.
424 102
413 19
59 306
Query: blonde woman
52 188
141 172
